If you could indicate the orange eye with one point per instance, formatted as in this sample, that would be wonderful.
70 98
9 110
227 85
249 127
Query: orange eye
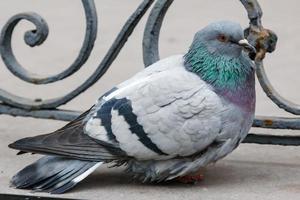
222 38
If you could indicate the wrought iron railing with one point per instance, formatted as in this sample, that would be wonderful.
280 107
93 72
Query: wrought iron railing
263 39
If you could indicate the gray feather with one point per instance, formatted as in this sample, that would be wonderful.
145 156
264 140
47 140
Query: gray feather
51 174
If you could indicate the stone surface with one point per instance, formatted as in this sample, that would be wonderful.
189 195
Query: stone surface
250 172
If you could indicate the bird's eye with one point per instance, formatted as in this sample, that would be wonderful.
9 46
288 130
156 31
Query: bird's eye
222 38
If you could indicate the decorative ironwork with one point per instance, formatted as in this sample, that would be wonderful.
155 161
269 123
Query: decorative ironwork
263 39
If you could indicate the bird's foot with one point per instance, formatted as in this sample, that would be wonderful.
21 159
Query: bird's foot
190 179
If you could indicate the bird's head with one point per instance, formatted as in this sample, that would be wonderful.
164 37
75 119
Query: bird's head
223 38
216 56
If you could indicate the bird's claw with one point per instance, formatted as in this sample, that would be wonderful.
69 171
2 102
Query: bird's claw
190 179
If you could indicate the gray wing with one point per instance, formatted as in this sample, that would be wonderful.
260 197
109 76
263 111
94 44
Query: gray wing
162 112
70 141
158 114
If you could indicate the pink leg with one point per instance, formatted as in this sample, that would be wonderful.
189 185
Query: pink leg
191 179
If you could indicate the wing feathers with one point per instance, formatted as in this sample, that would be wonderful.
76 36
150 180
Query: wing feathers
70 141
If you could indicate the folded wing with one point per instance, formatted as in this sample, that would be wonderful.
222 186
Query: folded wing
162 112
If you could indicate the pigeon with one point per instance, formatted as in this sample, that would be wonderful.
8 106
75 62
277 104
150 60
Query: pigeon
165 123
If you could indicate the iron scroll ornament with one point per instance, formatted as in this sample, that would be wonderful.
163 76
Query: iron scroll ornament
263 39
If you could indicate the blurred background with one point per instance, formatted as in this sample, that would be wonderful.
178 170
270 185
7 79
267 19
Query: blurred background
254 170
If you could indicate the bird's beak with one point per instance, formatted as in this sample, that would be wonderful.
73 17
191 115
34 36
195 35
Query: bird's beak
247 46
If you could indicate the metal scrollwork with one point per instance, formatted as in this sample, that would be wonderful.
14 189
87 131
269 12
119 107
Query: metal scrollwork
37 37
263 39
29 104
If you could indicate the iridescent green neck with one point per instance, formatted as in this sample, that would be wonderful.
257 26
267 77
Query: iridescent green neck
221 71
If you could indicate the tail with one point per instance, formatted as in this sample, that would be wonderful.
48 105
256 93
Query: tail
53 174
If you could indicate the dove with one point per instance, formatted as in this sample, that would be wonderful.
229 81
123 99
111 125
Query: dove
166 122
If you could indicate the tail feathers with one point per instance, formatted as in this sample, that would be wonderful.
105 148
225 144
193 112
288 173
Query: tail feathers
53 174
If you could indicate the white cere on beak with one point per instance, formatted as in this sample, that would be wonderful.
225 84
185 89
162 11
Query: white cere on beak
244 42
246 45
